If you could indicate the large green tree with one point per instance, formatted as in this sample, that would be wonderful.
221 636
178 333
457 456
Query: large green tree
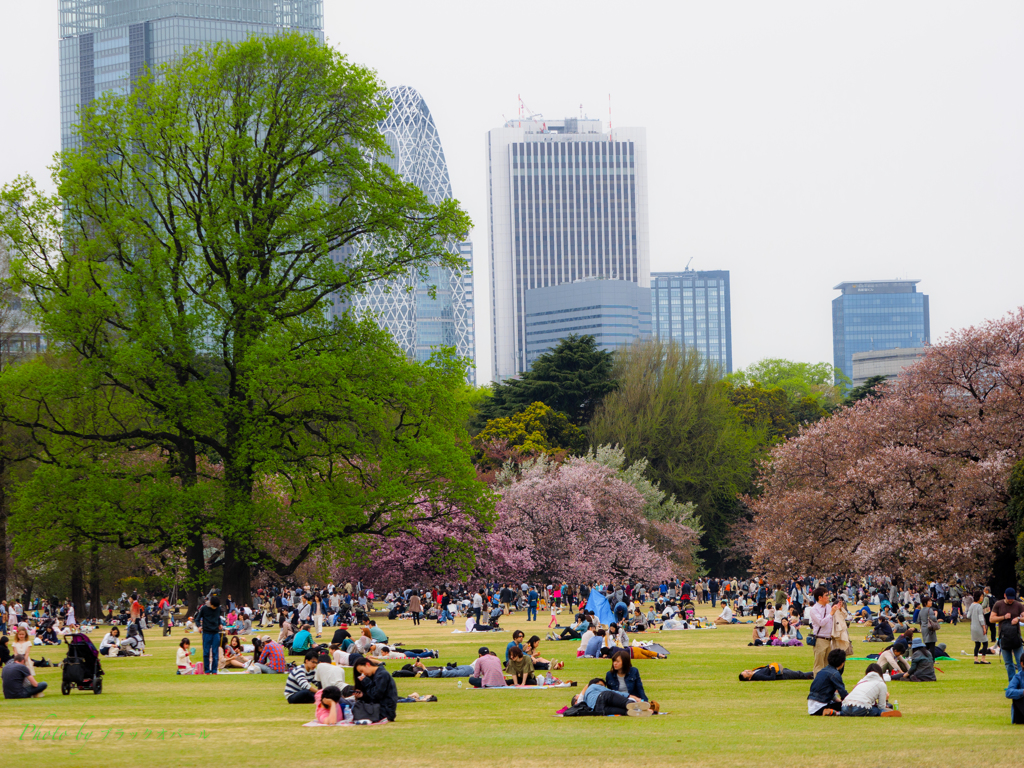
186 271
814 389
671 409
572 378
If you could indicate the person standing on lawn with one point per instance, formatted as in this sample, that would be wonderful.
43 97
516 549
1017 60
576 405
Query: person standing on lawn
1007 614
976 618
208 620
531 604
929 624
821 627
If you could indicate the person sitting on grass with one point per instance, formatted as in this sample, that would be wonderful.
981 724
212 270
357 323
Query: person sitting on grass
759 633
594 646
520 667
487 672
375 690
271 659
18 680
624 678
331 708
517 642
233 658
303 640
532 651
298 688
922 665
184 657
602 701
869 698
573 631
827 690
111 642
881 632
726 616
893 660
773 671
1015 693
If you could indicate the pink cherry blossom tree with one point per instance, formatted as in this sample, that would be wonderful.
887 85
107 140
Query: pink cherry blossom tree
913 482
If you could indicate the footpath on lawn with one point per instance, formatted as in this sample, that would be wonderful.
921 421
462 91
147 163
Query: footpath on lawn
147 715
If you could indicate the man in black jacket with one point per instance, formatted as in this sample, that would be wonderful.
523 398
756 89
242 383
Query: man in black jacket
827 686
208 621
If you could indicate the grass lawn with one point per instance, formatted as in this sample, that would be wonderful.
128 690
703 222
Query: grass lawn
715 720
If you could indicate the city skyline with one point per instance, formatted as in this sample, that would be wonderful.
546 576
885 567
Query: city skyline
903 162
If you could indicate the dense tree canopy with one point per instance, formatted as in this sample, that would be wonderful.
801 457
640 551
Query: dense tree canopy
536 430
184 275
572 378
812 388
671 409
915 482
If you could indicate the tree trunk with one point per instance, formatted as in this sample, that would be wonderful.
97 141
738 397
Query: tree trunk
77 580
195 573
3 535
95 606
237 576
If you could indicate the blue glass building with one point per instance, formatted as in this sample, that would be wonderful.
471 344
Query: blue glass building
694 309
876 315
105 45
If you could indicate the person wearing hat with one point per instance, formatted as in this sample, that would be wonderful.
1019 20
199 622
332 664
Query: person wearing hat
487 671
1007 614
759 633
922 665
893 660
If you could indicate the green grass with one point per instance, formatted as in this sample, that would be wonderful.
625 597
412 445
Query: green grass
715 720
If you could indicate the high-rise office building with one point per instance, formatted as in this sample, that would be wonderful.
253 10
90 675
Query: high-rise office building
417 320
614 312
876 315
105 45
695 309
566 202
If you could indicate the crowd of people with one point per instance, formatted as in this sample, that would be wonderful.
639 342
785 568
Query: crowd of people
908 618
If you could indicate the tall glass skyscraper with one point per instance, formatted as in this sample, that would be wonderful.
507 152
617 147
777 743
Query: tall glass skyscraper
876 315
417 320
105 45
566 203
695 309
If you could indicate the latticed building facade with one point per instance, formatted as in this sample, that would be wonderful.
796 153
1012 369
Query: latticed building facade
418 321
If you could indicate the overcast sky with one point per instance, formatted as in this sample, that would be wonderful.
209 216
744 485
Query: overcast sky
796 144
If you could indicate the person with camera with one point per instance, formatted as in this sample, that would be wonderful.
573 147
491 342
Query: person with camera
821 614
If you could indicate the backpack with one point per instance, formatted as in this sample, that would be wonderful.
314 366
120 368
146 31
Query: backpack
1009 636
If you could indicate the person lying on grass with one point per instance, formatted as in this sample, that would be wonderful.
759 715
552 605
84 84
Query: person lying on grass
773 671
602 701
827 689
452 670
869 698
386 652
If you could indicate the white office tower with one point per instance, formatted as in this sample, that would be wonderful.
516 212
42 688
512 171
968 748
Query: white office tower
567 203
419 322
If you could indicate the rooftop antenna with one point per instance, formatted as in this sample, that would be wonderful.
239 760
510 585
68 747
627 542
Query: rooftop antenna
581 111
610 118
687 267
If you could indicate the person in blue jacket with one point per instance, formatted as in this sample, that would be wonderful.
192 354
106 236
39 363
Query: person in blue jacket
624 678
1015 692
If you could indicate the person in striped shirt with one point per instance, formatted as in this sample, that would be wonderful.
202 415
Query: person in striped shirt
299 687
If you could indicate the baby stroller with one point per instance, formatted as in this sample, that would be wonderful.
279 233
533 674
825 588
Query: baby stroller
81 666
688 611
